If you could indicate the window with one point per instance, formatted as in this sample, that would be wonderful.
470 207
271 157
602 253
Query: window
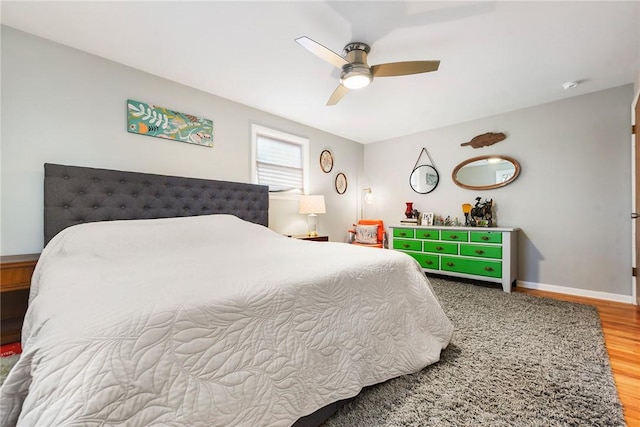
279 160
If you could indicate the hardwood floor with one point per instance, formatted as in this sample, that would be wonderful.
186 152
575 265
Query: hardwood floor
621 328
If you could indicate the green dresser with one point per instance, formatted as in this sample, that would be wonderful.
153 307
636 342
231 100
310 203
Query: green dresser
488 254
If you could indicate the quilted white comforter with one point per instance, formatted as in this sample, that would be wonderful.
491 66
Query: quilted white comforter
212 321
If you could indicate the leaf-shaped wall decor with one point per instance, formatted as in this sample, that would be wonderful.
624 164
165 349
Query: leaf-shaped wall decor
151 120
485 139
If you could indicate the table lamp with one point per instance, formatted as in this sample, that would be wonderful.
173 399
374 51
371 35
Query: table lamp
466 210
312 205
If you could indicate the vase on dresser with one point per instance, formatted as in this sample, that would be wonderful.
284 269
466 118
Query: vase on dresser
409 211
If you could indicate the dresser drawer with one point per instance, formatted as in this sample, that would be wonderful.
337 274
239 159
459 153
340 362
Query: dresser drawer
403 232
486 236
407 245
472 266
426 260
482 251
455 236
427 234
441 247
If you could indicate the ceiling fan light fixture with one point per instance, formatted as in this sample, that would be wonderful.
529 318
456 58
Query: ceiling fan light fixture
356 81
355 76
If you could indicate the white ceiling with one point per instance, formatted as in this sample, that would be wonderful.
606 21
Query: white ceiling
496 56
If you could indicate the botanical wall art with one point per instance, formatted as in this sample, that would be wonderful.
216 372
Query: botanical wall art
151 120
341 183
326 161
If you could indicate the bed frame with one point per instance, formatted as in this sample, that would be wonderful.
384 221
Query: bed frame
75 195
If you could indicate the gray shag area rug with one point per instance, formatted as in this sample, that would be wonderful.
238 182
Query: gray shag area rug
514 360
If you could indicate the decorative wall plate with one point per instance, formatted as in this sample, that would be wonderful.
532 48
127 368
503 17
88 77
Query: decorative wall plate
326 161
341 183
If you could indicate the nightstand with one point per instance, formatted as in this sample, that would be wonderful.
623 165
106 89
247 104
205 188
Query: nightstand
314 238
15 282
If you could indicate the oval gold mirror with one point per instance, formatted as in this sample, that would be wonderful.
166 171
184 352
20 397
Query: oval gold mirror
486 172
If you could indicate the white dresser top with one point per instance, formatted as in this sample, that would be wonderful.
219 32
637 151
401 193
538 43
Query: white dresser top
443 227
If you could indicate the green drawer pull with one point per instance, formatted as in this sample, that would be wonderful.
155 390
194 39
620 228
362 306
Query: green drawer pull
406 245
427 235
488 268
479 251
402 233
429 262
439 248
454 236
485 238
450 264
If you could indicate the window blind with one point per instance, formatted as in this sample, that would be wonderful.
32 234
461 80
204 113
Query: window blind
279 164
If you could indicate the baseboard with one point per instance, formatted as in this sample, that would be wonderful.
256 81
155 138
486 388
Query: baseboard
577 292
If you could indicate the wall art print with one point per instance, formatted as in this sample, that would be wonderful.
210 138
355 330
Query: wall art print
151 120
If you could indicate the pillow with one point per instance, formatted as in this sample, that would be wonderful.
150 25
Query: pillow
367 234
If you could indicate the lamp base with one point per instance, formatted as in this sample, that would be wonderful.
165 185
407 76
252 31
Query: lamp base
313 225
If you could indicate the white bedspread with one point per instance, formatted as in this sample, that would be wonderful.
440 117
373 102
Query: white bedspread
212 321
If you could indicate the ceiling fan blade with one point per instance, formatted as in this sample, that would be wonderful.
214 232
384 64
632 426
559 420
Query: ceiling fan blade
322 52
404 68
337 95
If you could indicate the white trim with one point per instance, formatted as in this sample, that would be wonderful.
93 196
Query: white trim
577 292
634 280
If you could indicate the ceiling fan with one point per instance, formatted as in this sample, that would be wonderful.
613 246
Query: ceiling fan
356 73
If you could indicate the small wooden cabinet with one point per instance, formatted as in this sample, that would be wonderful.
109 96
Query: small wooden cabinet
15 282
314 238
488 254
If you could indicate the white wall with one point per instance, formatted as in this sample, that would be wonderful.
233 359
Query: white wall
61 105
572 198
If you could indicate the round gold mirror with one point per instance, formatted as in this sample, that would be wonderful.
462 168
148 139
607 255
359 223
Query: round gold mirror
486 172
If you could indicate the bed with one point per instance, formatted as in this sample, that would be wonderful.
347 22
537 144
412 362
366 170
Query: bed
167 301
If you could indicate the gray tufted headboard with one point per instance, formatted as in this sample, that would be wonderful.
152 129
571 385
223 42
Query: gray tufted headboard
73 195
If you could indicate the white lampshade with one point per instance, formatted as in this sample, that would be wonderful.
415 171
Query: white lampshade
312 205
